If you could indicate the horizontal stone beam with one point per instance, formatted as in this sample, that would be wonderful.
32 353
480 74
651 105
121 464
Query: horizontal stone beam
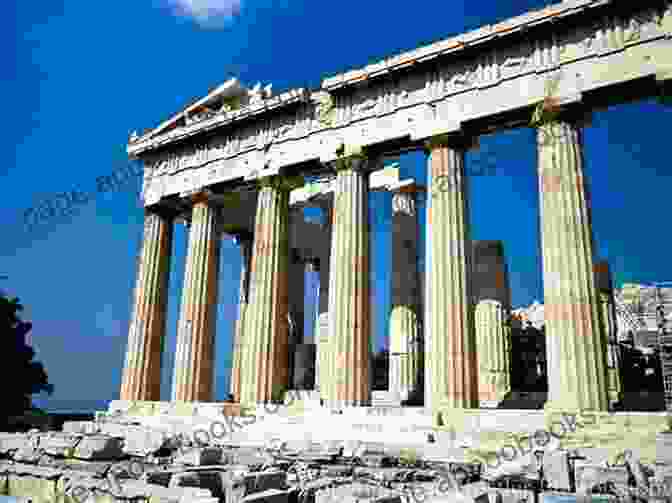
505 80
382 179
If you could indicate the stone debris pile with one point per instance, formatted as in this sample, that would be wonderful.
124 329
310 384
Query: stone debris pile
110 461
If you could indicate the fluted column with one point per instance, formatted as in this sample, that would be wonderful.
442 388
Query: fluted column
349 303
450 362
404 324
195 351
245 242
142 372
265 372
491 348
575 346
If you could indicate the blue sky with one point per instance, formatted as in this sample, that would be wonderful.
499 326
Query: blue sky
83 76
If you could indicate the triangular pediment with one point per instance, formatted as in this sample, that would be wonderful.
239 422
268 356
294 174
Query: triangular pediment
229 96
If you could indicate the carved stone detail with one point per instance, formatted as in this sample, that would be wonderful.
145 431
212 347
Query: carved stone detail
386 97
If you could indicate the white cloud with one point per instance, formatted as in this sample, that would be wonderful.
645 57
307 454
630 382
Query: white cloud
207 12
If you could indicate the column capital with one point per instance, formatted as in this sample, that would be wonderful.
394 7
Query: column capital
279 182
198 195
350 157
450 140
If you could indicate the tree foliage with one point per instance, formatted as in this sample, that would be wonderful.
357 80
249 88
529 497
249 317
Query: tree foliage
21 376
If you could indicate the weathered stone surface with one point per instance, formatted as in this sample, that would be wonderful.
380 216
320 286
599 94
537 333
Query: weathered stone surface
200 456
349 302
577 366
139 441
137 489
664 447
213 481
268 496
556 470
193 371
12 441
27 454
261 481
234 486
352 492
587 477
141 378
98 447
81 427
451 378
265 365
59 444
37 482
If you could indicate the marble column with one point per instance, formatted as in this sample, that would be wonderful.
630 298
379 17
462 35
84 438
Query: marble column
142 372
491 348
195 351
265 373
245 242
574 343
450 357
349 303
403 322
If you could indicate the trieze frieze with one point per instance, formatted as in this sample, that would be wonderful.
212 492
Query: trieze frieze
394 106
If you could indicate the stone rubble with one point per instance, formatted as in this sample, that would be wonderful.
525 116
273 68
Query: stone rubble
116 461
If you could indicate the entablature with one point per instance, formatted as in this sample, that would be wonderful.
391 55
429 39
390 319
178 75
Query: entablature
473 92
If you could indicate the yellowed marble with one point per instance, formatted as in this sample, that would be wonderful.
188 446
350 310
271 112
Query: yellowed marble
39 490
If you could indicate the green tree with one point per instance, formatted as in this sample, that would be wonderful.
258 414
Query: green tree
21 376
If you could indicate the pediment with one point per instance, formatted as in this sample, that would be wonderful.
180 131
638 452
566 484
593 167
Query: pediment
227 97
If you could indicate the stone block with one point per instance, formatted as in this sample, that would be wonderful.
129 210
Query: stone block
234 486
13 441
39 490
337 470
93 468
37 482
200 456
114 429
268 496
664 448
27 454
59 444
510 495
352 493
556 470
589 476
98 447
211 480
375 460
157 494
261 481
595 456
81 427
246 458
140 441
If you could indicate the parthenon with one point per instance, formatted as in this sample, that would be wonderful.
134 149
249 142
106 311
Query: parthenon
242 162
